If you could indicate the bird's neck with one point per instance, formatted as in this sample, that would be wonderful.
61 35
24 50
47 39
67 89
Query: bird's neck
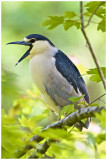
43 47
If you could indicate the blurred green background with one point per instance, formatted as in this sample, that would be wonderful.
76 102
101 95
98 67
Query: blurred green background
21 18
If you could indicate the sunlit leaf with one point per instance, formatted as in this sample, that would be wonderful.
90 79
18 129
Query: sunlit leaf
91 6
102 25
82 103
12 136
53 21
100 138
101 118
56 134
75 99
94 104
100 12
26 122
70 23
67 110
95 74
14 110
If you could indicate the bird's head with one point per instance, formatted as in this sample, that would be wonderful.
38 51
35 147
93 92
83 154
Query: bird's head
37 44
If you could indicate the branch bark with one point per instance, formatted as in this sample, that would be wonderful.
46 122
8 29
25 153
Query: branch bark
70 120
42 150
90 46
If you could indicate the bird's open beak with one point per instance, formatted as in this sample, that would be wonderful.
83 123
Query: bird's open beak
23 43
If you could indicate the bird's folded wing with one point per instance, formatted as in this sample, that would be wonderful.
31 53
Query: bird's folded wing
68 70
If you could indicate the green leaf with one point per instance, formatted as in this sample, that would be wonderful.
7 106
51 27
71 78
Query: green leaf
70 23
69 14
75 99
95 75
53 21
56 134
101 12
101 118
83 103
87 14
67 110
91 6
102 25
94 104
100 138
7 120
12 136
26 122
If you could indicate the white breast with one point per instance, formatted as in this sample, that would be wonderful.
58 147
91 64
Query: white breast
40 67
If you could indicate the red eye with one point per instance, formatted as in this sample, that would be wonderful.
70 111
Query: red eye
32 40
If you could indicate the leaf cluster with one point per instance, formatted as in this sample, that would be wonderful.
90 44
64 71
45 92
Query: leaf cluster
25 119
100 13
67 20
70 19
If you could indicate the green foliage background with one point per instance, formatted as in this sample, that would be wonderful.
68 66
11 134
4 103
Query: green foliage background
23 111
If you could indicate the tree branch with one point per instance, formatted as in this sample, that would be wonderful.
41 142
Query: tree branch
90 46
42 150
70 120
93 14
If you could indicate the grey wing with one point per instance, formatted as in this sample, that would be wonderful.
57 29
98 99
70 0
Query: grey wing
59 89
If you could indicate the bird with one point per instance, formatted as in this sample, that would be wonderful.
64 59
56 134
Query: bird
54 74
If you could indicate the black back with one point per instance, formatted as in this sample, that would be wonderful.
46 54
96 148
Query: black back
65 66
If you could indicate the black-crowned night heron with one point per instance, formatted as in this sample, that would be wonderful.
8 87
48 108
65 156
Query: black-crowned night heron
53 73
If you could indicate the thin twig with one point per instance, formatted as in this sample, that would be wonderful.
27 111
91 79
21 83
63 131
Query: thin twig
90 46
93 14
96 99
102 101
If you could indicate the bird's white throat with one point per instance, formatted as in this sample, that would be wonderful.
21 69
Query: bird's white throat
42 47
